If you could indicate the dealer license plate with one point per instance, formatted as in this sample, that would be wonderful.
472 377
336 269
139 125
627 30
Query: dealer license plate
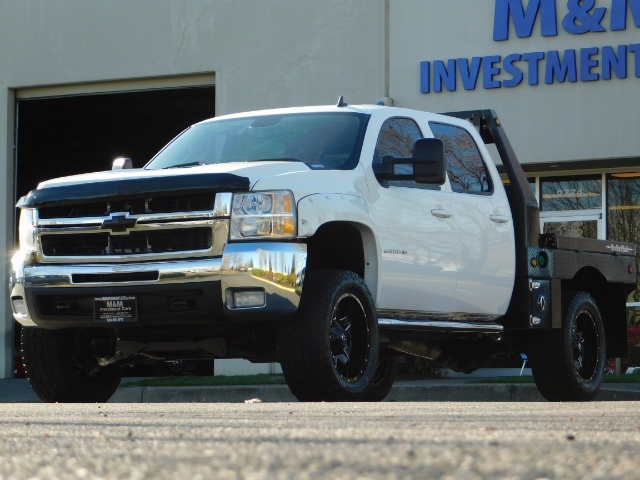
122 309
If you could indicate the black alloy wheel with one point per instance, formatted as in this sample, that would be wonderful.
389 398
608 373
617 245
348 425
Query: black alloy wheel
350 338
586 344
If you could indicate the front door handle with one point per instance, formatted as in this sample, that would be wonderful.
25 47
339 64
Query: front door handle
441 213
499 218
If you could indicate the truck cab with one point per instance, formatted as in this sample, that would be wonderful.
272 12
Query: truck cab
440 244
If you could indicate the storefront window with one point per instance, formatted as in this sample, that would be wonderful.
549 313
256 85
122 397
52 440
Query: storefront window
623 212
571 193
623 217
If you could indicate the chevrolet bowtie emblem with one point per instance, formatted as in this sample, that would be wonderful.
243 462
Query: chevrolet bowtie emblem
119 223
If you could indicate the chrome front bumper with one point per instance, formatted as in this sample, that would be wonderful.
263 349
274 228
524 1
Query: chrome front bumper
271 271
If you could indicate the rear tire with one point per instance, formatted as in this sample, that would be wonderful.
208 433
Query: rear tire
329 350
568 364
61 369
383 379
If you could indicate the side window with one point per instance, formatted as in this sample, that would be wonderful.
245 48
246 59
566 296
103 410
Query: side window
396 139
465 167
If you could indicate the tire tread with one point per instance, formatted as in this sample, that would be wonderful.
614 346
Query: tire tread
52 373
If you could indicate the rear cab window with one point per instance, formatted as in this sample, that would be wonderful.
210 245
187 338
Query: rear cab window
465 166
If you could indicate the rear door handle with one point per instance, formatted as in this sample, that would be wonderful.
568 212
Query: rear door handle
441 213
499 218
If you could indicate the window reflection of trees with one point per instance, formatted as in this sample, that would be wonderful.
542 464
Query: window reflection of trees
571 194
397 137
624 209
465 167
623 220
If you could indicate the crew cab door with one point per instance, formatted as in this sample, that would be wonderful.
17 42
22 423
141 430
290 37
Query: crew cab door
415 224
486 264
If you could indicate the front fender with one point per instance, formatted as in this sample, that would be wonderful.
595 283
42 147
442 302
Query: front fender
318 209
323 208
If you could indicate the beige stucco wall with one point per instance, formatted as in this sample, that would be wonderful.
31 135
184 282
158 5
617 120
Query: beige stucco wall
6 231
264 53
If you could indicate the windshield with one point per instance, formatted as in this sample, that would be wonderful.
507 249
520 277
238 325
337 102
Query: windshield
321 140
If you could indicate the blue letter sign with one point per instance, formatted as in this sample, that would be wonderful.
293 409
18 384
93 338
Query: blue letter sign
523 20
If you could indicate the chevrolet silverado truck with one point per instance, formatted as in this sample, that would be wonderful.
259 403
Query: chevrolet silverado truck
333 240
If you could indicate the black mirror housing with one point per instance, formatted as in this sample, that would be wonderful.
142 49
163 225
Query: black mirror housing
428 165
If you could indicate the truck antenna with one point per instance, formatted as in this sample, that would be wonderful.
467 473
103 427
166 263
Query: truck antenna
341 102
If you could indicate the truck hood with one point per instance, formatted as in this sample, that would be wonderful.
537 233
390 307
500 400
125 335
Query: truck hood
132 183
252 170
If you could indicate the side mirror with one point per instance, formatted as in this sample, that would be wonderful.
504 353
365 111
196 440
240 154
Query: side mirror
428 161
122 163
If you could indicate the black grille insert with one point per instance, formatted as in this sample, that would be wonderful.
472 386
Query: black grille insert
135 206
115 277
136 243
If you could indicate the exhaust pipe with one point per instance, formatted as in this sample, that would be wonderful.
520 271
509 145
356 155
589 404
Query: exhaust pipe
417 348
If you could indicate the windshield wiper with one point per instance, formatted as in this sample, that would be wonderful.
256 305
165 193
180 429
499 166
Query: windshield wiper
181 165
197 164
283 159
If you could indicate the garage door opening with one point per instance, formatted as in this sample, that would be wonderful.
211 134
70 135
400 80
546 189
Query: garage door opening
67 135
84 133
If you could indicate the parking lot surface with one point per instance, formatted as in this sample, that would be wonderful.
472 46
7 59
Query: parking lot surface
454 440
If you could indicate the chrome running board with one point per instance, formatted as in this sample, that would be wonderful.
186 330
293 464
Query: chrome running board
439 326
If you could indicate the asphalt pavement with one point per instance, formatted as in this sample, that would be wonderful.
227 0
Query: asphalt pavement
317 441
448 389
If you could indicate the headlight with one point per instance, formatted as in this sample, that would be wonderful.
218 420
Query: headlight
263 214
27 228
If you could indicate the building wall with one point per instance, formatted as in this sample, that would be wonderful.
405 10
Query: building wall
6 229
546 123
264 53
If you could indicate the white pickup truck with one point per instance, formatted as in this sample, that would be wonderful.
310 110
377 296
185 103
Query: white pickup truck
330 239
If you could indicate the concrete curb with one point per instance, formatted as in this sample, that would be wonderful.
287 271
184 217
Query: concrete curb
231 394
19 391
281 393
443 392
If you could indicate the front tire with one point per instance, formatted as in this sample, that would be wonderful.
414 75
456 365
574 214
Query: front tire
60 368
329 351
568 364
